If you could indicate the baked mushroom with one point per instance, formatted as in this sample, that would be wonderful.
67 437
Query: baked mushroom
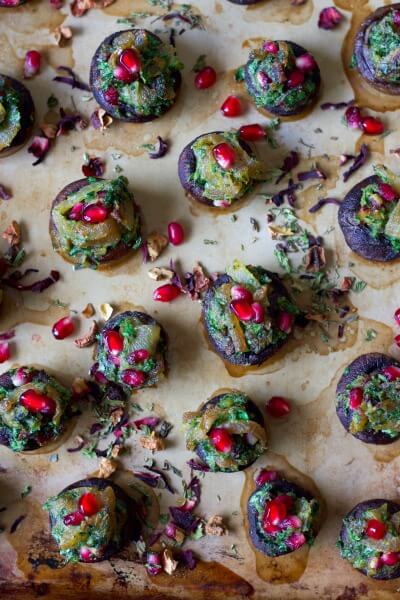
218 169
370 538
131 350
369 216
94 222
368 398
282 517
282 78
135 76
245 2
11 3
17 114
34 408
227 433
92 519
377 49
247 314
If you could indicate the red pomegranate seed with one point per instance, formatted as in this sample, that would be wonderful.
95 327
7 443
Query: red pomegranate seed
176 233
269 528
130 59
306 62
372 126
75 214
263 79
252 133
63 328
275 512
397 316
38 403
390 558
286 500
221 439
353 117
88 504
296 540
356 397
122 74
293 521
74 518
166 293
239 292
21 377
205 78
392 372
98 375
231 107
95 213
258 312
285 321
86 554
271 47
32 63
133 378
396 18
114 341
295 79
397 340
139 356
225 155
278 407
375 529
242 310
4 351
265 476
387 192
111 95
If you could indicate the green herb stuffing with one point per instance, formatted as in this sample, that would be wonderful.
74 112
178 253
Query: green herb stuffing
375 212
10 114
384 45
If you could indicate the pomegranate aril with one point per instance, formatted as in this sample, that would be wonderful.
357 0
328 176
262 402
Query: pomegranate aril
4 351
263 79
130 59
63 328
122 74
74 518
35 402
306 62
286 500
293 521
114 341
231 107
139 355
221 439
353 117
396 18
375 529
32 63
275 512
176 234
372 126
269 528
75 214
296 540
225 155
278 407
295 79
242 309
95 213
166 293
88 504
271 47
98 375
239 292
355 398
285 321
397 316
397 340
387 192
258 312
86 554
390 558
21 377
111 95
391 373
265 476
252 133
133 378
205 78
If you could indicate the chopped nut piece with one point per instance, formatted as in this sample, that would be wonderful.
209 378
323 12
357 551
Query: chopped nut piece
346 284
161 274
156 243
277 231
106 310
49 130
100 119
12 234
215 526
80 7
80 387
152 442
107 467
88 311
168 562
201 281
62 35
89 338
116 416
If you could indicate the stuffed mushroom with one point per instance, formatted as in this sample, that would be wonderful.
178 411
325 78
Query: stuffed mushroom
218 169
94 222
282 78
92 519
247 314
282 517
17 114
370 538
227 433
368 398
377 48
11 3
131 350
34 408
369 217
135 76
245 2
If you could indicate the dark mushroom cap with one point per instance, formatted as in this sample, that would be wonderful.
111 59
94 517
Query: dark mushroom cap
357 235
281 110
27 112
121 250
246 358
262 541
123 112
358 512
361 52
187 168
363 365
254 415
131 531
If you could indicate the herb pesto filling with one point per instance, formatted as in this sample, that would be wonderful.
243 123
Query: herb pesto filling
383 43
10 114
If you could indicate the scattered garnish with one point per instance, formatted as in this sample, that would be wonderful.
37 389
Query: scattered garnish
323 202
155 244
358 162
99 119
39 148
329 18
5 194
93 167
63 328
160 150
72 80
32 64
289 163
89 338
205 78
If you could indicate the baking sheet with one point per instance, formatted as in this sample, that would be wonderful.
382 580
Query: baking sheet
311 445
